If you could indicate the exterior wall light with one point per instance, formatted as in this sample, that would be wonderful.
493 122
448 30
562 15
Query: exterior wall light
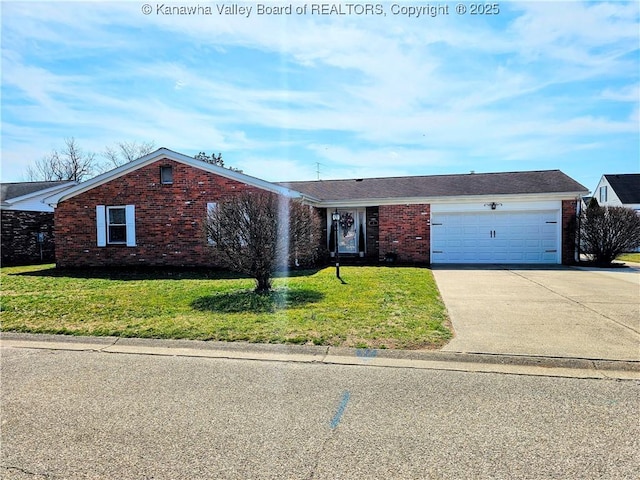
493 205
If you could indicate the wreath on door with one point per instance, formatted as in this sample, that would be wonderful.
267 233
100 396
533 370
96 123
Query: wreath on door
346 222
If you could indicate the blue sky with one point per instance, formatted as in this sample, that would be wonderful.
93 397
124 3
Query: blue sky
540 85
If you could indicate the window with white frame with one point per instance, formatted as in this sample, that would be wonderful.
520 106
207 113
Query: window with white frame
116 225
603 194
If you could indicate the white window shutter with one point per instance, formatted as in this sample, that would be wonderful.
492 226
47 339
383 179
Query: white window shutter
131 225
101 225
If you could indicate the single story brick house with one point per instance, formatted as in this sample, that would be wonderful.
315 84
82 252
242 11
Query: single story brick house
27 222
151 212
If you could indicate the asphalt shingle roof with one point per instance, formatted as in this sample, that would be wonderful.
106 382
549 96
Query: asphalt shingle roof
626 186
18 189
544 181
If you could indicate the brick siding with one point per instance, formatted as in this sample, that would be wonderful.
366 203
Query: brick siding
20 237
169 218
569 223
404 230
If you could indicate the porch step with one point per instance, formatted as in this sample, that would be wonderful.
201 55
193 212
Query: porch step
354 260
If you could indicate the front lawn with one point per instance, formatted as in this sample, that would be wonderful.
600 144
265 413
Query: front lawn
629 257
379 307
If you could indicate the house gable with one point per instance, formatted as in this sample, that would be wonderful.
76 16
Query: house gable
160 223
164 154
622 189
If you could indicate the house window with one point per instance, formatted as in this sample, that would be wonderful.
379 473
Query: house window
603 194
116 225
166 175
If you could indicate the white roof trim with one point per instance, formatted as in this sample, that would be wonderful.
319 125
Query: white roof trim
175 156
372 202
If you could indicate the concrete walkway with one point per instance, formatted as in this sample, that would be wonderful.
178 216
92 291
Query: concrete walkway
543 311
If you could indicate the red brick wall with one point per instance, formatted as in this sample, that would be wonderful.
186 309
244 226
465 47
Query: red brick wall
169 218
569 209
404 230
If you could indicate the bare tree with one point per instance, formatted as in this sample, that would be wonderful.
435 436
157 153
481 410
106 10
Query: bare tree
125 152
70 163
255 233
607 232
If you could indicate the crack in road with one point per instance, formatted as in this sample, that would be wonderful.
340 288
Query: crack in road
117 339
27 472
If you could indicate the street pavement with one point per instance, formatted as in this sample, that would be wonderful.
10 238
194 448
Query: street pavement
101 414
547 311
542 381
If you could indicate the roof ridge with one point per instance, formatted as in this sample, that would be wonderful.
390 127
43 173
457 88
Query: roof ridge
420 176
36 181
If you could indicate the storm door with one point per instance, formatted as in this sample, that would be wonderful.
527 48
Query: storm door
350 239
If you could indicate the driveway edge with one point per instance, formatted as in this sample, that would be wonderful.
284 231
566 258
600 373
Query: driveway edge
417 359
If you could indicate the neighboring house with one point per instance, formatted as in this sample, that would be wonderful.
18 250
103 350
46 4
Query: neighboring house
27 222
620 190
151 212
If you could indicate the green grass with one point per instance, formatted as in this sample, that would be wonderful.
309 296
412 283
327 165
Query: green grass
629 257
379 307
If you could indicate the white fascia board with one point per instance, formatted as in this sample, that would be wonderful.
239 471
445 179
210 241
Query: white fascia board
503 206
374 202
175 156
45 193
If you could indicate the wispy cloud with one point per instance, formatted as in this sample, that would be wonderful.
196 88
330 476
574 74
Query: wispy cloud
541 85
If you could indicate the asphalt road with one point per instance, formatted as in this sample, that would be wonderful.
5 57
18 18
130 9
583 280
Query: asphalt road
77 415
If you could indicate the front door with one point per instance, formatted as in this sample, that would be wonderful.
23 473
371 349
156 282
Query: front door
347 231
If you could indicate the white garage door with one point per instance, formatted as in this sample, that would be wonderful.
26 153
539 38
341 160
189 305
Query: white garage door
495 237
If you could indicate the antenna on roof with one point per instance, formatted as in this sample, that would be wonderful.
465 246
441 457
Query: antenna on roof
318 169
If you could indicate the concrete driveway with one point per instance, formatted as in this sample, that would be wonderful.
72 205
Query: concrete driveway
548 310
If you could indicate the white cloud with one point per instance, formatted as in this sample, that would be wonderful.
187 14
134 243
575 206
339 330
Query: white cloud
544 79
629 93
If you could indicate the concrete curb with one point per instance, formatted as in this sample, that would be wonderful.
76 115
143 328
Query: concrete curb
431 360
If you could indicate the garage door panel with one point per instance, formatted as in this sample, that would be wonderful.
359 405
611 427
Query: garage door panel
495 237
532 229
